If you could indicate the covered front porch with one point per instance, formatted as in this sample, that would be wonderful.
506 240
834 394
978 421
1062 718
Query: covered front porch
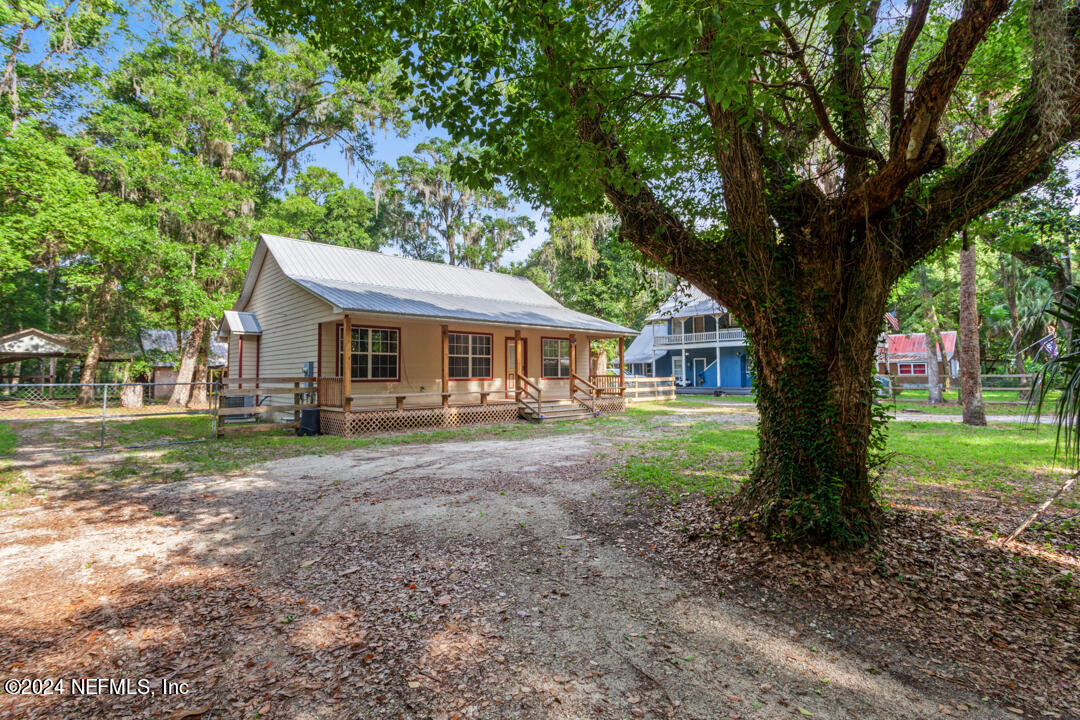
417 374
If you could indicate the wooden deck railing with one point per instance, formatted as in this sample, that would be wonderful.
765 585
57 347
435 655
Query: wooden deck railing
578 385
331 392
401 399
522 391
257 415
607 384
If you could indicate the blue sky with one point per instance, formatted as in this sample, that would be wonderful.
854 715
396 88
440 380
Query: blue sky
388 148
388 145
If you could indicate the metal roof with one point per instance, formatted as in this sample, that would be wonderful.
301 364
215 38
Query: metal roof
241 323
31 343
687 301
913 345
641 350
363 281
164 341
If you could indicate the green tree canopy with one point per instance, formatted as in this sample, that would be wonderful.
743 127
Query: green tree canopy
792 160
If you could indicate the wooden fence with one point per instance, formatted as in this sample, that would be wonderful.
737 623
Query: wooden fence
644 389
245 405
1020 384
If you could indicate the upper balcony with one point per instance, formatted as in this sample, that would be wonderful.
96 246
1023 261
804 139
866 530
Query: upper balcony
726 338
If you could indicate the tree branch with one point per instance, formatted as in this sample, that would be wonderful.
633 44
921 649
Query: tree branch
816 102
848 93
1014 158
646 223
919 147
898 87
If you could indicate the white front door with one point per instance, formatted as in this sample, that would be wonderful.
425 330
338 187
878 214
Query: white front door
676 368
511 364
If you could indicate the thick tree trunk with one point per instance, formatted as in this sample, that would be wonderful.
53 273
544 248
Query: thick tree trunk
813 373
188 359
933 374
970 377
202 372
89 369
1009 283
599 363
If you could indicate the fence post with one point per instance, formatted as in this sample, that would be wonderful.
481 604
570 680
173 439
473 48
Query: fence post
215 423
104 408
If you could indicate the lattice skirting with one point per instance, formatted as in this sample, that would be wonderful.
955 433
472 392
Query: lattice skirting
611 404
337 422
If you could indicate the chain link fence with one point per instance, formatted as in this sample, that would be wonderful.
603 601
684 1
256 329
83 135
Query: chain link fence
96 416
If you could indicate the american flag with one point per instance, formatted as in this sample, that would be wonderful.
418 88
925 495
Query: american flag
890 317
1049 344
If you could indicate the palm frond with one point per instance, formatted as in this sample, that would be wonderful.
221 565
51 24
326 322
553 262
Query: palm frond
1062 372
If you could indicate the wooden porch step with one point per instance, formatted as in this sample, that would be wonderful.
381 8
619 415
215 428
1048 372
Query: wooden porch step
567 411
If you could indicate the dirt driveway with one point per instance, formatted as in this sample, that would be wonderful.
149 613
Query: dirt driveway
487 579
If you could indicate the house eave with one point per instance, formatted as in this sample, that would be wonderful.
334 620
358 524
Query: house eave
614 333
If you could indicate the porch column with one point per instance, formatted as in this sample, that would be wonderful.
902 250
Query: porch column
573 362
683 351
622 365
445 364
717 321
346 365
518 364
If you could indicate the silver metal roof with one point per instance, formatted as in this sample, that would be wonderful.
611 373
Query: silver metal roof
363 281
687 301
641 350
242 323
164 341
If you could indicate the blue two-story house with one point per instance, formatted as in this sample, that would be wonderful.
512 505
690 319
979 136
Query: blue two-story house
694 339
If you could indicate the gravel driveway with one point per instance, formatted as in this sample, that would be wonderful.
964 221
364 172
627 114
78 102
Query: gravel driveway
487 579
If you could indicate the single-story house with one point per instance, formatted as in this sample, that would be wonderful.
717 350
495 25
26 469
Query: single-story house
696 340
32 348
905 356
397 342
161 347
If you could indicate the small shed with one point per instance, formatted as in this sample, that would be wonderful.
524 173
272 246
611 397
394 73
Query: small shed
161 347
31 344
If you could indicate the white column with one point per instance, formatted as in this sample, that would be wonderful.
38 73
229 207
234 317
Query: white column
716 319
683 351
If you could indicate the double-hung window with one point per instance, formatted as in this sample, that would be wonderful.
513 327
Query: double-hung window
555 356
469 356
912 369
374 353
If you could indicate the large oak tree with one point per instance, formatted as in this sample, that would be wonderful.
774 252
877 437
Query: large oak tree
791 159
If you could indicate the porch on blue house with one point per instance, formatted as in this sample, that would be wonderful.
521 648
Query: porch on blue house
696 340
723 368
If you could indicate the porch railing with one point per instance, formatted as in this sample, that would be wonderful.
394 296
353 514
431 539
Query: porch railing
331 392
727 335
581 386
525 390
607 384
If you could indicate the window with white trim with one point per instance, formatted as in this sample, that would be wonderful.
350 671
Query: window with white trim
912 369
555 357
374 353
469 356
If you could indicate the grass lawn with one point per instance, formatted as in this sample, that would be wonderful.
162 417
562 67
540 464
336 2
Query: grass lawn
933 464
11 481
999 402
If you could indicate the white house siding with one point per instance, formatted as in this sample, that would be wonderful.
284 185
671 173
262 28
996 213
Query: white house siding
289 316
234 356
